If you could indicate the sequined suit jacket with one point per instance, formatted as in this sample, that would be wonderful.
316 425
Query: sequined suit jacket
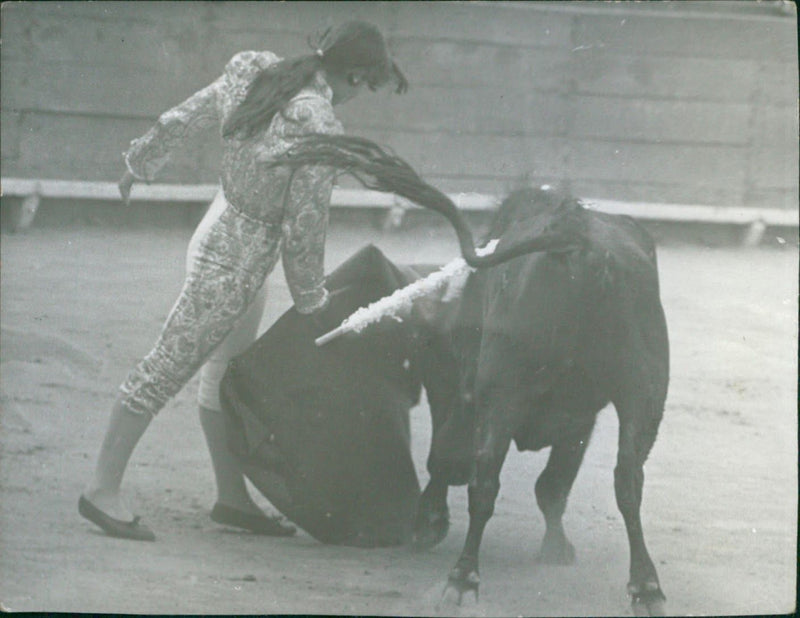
252 190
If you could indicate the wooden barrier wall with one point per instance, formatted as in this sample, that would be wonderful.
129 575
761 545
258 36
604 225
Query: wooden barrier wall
666 102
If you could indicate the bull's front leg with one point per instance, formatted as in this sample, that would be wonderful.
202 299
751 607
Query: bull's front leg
433 517
482 493
450 462
552 490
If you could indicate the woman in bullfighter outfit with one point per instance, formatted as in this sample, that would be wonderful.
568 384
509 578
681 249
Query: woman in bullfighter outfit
263 105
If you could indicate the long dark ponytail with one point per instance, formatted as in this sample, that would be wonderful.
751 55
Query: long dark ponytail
353 46
268 93
378 169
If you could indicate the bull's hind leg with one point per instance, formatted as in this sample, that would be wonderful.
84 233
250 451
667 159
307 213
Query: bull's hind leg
552 490
639 418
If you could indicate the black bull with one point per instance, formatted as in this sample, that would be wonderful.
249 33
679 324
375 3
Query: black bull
530 351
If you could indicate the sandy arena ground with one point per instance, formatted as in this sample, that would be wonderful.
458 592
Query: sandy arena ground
81 304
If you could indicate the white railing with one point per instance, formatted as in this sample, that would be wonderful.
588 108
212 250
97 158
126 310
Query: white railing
33 190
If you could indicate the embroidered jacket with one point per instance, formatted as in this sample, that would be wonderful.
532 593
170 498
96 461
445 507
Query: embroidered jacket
250 189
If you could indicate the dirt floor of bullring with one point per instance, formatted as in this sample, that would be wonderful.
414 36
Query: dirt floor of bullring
81 303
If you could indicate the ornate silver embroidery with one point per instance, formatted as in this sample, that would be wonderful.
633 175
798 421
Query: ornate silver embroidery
242 246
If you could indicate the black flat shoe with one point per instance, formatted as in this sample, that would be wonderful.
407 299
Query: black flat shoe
257 524
114 527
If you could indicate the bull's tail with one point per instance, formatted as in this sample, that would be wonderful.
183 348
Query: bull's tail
378 169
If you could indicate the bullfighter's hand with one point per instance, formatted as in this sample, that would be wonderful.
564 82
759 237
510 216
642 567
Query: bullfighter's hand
322 319
330 315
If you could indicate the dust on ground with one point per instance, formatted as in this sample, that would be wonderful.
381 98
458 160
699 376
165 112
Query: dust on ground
81 305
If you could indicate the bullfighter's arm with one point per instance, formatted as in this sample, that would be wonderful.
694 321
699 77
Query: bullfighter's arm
149 153
305 219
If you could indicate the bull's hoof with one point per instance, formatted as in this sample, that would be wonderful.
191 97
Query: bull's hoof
556 551
461 584
647 599
430 529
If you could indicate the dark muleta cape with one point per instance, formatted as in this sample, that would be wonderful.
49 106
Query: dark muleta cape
323 432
